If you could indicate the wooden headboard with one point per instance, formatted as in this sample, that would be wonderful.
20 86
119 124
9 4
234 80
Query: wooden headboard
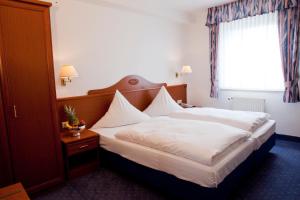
137 90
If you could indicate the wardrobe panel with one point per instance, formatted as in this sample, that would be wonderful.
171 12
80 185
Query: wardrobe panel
29 94
5 166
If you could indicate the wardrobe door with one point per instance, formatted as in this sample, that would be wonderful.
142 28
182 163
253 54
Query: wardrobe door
29 93
5 167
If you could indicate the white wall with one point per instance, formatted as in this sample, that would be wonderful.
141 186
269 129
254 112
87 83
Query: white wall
106 41
197 55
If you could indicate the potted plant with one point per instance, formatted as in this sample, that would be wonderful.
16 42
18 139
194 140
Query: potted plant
74 125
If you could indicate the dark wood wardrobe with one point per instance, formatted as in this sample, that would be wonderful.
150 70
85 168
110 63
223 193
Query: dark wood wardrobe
30 150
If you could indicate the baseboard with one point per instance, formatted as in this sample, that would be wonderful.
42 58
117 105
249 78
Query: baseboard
287 138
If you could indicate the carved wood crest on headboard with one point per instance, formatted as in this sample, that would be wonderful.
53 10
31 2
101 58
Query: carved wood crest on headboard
129 83
137 90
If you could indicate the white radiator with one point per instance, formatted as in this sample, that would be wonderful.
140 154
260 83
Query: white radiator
247 104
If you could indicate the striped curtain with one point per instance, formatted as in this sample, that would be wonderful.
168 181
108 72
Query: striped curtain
289 36
288 31
213 46
246 8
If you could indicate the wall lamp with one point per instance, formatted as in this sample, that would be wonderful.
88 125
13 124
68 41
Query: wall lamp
184 70
67 73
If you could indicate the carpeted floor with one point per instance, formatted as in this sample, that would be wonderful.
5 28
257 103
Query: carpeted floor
278 178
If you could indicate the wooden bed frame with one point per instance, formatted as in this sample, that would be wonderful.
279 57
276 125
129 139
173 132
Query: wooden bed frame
137 90
140 93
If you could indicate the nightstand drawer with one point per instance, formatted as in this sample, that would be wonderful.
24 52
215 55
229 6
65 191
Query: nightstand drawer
82 146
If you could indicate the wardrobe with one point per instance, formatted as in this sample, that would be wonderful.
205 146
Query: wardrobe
30 149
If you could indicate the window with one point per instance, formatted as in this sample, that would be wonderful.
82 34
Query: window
249 54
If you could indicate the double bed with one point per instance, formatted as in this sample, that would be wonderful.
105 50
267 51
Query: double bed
186 169
177 175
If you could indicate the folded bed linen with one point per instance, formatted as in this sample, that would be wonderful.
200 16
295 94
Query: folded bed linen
246 120
202 142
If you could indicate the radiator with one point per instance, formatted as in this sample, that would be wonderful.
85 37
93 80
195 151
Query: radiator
247 104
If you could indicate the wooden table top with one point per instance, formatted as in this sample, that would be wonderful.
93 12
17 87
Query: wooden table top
13 192
67 138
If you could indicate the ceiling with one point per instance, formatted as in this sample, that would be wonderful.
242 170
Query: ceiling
179 10
180 5
192 5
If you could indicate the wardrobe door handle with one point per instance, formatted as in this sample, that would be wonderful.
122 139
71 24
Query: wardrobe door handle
15 111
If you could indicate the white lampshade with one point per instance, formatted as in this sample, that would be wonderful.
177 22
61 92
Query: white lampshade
68 71
186 69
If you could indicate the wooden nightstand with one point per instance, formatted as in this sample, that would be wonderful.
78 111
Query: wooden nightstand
81 154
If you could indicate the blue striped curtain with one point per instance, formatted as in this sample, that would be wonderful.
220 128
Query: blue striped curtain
289 34
213 41
246 8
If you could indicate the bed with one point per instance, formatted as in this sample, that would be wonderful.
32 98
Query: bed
174 175
184 168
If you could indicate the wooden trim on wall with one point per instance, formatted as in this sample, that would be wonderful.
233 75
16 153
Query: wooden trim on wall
92 107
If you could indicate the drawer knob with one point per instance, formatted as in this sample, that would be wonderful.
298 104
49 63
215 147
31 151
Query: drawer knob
83 146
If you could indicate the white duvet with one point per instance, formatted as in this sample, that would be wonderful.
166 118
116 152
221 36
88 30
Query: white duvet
203 142
246 120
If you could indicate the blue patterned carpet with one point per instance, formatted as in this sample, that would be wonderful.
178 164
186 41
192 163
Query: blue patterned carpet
278 178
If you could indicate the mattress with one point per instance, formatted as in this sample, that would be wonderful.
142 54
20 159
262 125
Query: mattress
263 133
182 168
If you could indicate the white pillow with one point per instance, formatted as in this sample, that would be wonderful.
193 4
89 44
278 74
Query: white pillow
120 113
163 104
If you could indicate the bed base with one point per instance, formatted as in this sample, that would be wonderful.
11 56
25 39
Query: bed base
176 188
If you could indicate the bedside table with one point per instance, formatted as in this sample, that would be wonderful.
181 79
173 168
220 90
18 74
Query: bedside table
81 154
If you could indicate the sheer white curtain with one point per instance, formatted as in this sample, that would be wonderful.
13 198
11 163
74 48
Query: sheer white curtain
249 54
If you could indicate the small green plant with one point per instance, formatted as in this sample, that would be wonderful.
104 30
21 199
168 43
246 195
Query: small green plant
71 115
